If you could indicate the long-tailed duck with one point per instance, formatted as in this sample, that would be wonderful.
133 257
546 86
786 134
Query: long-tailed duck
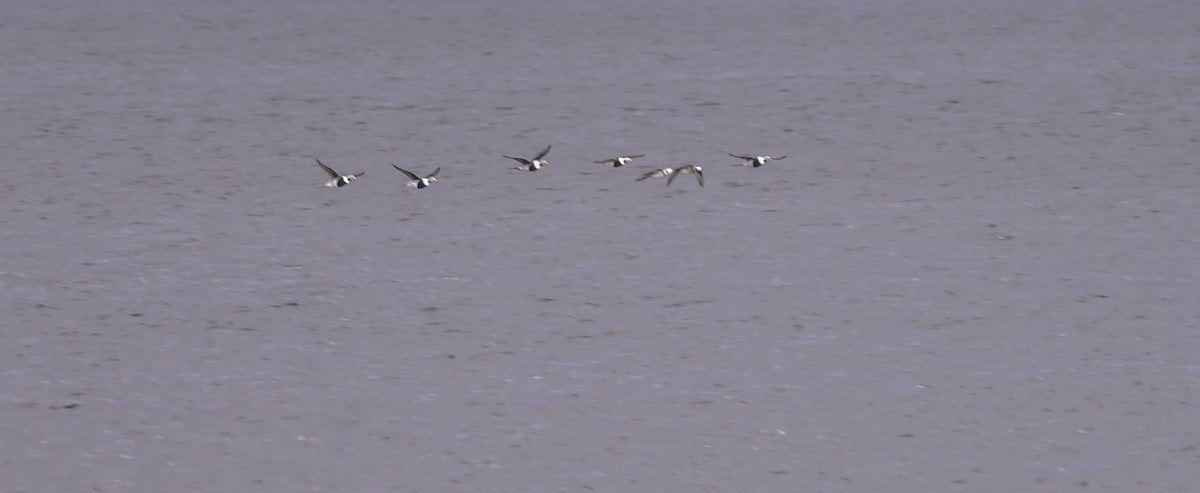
619 161
337 179
532 164
671 173
686 169
656 173
756 161
416 181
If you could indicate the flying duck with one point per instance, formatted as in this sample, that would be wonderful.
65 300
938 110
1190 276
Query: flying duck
619 161
416 181
337 179
671 173
686 169
532 164
656 173
756 161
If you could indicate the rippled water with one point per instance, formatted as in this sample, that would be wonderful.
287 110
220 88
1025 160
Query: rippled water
974 271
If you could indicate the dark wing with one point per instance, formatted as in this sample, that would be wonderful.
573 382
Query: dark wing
435 172
748 158
780 158
635 156
542 154
671 178
407 173
607 161
332 173
519 159
648 174
700 177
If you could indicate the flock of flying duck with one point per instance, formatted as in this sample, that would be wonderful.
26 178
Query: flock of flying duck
337 180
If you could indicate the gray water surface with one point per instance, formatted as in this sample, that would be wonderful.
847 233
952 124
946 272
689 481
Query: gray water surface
975 271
